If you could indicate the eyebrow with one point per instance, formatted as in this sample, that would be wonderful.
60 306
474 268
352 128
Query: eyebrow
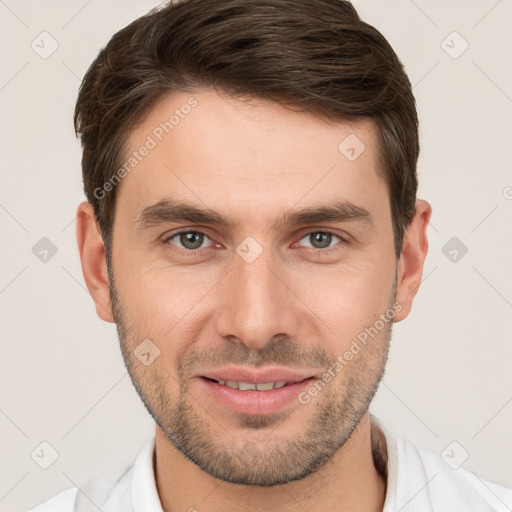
170 210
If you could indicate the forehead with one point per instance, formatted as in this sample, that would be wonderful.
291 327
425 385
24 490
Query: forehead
255 156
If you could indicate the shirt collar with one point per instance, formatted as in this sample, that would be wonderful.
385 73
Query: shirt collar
144 490
385 456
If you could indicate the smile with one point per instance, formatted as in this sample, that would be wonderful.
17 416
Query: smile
251 386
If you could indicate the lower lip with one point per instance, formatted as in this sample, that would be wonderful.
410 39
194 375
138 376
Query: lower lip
255 402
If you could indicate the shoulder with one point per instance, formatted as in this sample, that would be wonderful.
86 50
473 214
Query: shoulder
97 492
463 482
421 480
109 491
62 502
451 486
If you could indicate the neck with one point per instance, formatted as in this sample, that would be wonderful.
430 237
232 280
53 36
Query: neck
353 479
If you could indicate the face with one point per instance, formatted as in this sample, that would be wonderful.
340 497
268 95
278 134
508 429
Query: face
292 273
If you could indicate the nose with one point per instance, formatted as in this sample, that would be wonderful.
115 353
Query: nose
257 303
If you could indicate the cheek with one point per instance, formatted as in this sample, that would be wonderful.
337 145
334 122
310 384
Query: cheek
167 306
350 299
150 285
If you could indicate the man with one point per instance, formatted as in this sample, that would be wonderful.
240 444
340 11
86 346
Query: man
252 228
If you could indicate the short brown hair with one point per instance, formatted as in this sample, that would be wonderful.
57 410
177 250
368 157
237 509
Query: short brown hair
317 55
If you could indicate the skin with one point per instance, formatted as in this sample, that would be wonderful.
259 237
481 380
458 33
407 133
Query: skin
293 306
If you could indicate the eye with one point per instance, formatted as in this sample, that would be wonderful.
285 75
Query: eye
190 241
321 239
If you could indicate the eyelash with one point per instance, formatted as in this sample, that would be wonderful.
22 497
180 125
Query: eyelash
195 252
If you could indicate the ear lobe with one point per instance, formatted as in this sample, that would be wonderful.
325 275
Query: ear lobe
412 259
93 259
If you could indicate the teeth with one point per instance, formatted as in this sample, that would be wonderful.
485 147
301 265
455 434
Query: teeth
249 386
267 386
245 386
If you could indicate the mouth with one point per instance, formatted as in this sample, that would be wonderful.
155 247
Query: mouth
255 386
255 398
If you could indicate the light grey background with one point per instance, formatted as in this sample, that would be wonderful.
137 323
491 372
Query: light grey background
63 380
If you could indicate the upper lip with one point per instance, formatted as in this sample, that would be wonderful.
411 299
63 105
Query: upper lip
240 374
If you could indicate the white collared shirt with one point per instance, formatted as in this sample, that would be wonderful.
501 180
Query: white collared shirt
418 480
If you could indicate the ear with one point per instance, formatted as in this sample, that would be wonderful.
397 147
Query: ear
94 260
412 258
